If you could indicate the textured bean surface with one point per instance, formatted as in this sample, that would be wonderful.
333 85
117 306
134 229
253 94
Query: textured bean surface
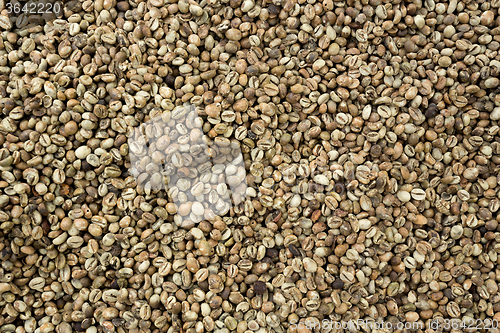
368 185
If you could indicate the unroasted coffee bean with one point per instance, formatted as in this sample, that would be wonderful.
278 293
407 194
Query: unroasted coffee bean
259 287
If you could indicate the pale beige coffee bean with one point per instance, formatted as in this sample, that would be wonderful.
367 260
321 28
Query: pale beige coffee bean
418 194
